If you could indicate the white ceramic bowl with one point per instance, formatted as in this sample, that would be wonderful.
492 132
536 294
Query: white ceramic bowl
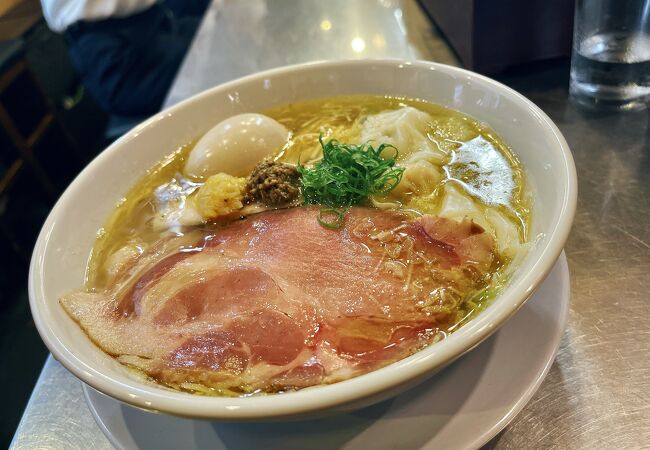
62 249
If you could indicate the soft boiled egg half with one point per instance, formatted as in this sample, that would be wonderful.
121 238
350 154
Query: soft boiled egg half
235 145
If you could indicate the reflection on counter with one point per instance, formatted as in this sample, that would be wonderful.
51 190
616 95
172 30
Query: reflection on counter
336 29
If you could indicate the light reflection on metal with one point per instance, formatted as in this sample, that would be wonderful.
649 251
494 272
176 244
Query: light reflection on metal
358 44
216 55
399 17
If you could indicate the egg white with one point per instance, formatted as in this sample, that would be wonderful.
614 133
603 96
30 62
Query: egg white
235 145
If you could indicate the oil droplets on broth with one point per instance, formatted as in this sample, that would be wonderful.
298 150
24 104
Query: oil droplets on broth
214 277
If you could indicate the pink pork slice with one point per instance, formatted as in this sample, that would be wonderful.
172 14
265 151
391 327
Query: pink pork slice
277 302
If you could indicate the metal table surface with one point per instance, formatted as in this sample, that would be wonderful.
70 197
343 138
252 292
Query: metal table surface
597 394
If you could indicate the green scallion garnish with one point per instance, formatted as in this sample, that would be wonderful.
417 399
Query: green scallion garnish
347 175
338 216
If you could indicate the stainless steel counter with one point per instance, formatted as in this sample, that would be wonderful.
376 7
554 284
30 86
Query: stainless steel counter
597 394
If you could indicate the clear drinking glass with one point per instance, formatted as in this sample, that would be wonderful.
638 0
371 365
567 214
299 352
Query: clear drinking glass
610 63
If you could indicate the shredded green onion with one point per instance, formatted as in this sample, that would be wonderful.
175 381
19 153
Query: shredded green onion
347 175
339 218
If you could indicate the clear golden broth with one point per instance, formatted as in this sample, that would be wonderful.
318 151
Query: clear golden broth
130 222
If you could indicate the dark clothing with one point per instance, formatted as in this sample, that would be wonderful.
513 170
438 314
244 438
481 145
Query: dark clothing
128 64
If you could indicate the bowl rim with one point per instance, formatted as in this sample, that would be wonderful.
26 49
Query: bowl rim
318 398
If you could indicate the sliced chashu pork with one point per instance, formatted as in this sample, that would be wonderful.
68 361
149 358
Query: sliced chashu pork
276 301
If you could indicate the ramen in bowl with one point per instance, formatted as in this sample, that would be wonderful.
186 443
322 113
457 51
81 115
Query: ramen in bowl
307 245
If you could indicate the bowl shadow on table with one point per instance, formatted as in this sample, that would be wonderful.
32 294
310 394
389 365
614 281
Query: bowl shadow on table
619 131
418 420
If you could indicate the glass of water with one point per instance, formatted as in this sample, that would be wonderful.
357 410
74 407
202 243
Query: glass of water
610 63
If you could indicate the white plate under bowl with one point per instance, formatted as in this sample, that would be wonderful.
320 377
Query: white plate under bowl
464 406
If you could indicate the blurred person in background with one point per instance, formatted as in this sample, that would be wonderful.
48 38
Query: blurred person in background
127 52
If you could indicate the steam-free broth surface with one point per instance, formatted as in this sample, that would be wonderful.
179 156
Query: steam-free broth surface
226 285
